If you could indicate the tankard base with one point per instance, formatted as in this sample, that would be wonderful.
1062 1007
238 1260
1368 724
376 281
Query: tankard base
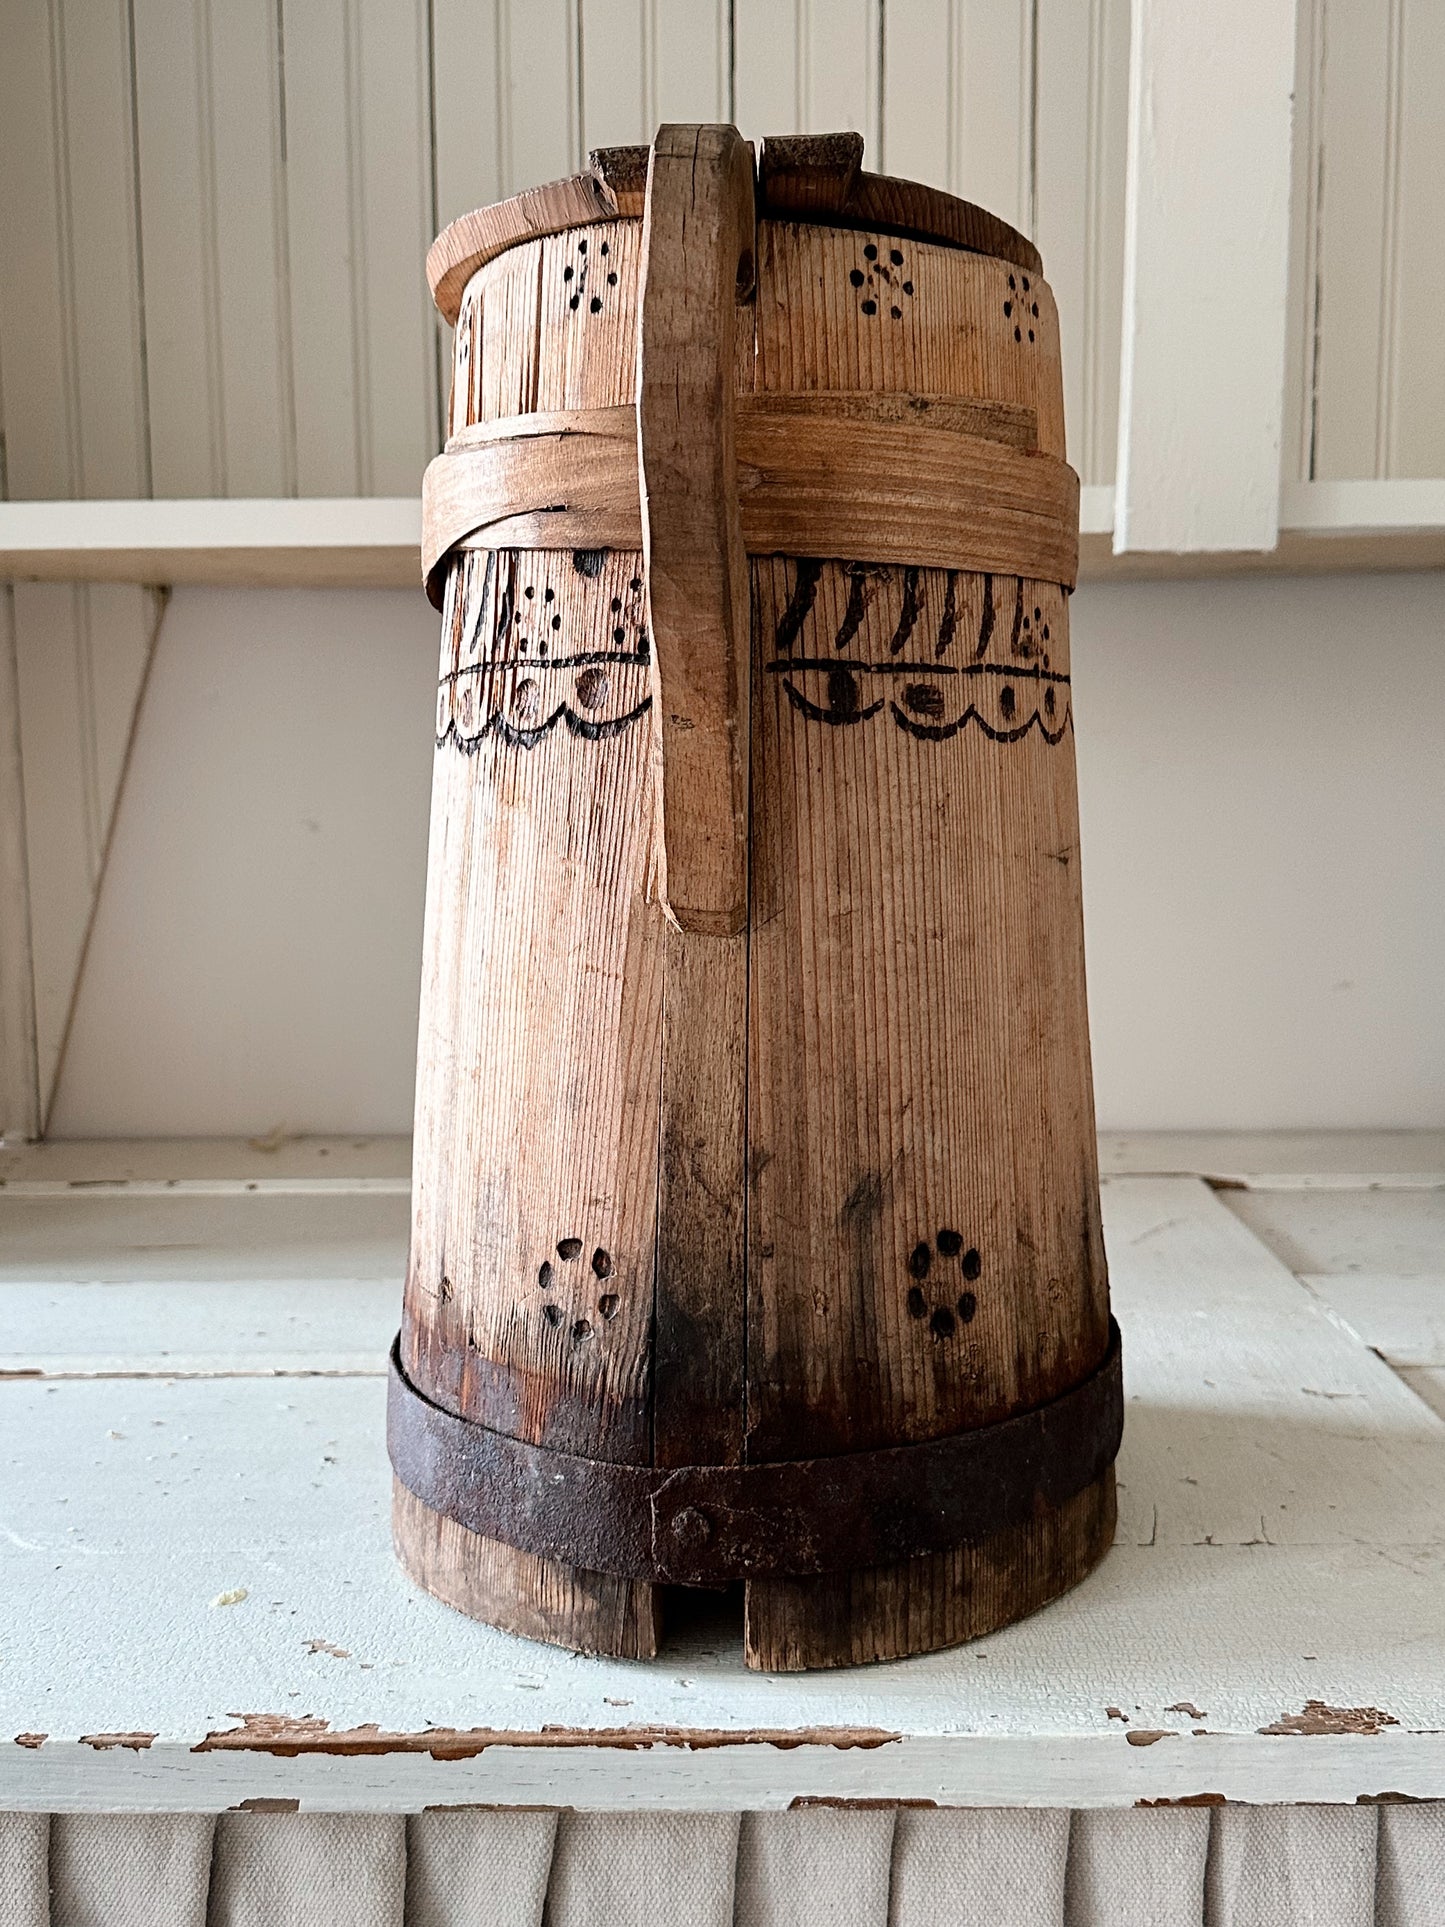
850 1618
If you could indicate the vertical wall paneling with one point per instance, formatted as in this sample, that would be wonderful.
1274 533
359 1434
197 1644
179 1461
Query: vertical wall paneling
1060 182
994 116
1357 167
81 655
613 68
1080 138
1205 268
359 217
469 154
248 217
19 1070
1297 452
643 62
768 66
813 66
104 299
323 223
37 367
538 98
73 375
178 246
393 194
920 89
1415 428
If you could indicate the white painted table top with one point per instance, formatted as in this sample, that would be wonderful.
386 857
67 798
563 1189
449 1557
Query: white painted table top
191 1410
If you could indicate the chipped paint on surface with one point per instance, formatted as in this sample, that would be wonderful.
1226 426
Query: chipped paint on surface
102 1742
1147 1735
288 1737
1187 1706
1317 1718
1186 1800
31 1740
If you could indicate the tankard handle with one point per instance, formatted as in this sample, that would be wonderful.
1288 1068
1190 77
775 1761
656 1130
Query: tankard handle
698 264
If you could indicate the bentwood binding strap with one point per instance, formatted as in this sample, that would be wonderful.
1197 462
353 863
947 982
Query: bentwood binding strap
935 497
702 1525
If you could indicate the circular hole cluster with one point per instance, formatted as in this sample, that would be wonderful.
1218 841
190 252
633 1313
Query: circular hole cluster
1019 307
881 282
575 278
569 1250
929 1263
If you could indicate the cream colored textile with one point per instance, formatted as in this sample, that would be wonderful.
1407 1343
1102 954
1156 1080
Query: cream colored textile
643 1870
819 1867
984 1867
1292 1867
24 1870
1137 1867
130 1869
308 1870
1410 1881
478 1869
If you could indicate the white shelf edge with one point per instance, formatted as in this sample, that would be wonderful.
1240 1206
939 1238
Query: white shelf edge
374 541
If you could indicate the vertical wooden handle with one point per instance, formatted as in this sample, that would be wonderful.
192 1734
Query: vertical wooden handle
698 235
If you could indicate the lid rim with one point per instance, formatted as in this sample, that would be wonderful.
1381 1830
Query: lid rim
800 178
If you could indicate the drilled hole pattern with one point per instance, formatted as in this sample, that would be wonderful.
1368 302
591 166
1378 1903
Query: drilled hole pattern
882 281
932 1262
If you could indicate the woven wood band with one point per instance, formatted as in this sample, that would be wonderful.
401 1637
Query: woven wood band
704 1525
809 483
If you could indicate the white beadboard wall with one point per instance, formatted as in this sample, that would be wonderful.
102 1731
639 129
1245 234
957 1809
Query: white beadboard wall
217 213
215 218
1263 850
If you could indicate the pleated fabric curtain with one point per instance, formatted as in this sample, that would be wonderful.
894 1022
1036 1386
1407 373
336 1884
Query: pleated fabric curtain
1235 1866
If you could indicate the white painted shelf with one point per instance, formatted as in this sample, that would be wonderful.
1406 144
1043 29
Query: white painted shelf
191 1401
373 542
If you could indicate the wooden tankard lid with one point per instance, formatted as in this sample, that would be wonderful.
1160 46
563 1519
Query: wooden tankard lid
801 177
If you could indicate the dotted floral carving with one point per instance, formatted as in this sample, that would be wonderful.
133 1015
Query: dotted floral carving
943 1274
1021 306
515 666
549 1278
882 281
588 278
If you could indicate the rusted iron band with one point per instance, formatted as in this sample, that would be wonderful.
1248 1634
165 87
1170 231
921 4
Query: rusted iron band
935 497
704 1525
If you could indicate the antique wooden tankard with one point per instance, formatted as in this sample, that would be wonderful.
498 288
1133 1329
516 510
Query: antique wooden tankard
755 1217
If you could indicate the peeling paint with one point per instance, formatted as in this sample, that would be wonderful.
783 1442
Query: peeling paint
287 1736
31 1740
801 1800
261 1803
1117 1713
1317 1718
1187 1706
1186 1800
102 1742
1147 1735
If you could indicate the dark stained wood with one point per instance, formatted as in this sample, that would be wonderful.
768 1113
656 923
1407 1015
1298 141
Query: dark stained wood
697 258
808 1168
819 177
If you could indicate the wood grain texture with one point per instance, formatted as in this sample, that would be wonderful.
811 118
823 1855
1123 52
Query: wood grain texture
529 1297
843 1124
588 1612
891 1612
911 482
697 264
920 1100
